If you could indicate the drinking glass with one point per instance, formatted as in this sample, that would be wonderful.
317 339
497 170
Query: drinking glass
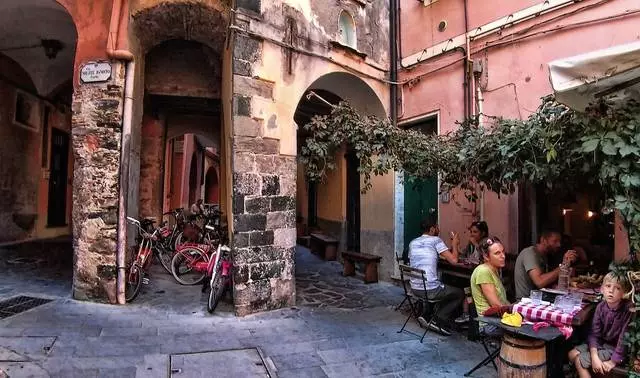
576 298
563 303
536 297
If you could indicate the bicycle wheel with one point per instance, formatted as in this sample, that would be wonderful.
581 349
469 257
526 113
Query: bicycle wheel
165 257
133 283
218 288
177 241
182 266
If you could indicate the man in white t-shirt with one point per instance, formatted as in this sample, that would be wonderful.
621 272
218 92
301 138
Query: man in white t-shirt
424 253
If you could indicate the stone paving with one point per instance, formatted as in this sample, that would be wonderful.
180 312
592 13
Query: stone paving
344 335
320 284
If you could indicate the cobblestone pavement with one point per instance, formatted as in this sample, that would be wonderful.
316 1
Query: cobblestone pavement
320 284
346 336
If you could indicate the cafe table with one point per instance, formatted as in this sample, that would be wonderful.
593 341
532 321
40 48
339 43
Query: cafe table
460 270
548 335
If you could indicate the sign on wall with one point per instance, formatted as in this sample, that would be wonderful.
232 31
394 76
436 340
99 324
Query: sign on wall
95 72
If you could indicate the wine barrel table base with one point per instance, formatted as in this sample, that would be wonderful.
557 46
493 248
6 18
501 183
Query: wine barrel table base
522 357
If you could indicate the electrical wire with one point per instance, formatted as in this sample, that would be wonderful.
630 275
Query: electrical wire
448 65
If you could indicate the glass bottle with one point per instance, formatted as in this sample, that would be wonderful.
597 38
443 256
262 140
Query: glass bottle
563 278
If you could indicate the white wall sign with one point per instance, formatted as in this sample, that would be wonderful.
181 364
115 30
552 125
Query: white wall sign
95 72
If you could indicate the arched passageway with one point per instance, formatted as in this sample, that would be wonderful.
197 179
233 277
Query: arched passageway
37 52
181 125
336 206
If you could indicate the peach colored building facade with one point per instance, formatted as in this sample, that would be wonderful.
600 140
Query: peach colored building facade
506 46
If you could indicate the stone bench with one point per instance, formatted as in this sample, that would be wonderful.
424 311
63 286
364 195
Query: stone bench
371 265
324 246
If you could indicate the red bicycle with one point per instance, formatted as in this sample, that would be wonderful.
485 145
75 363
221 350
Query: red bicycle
150 244
192 263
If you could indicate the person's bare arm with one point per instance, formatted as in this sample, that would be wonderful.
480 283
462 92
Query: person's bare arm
542 280
489 292
451 257
453 253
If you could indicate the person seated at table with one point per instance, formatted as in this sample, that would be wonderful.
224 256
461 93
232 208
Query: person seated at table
424 252
477 231
605 348
487 289
567 244
531 269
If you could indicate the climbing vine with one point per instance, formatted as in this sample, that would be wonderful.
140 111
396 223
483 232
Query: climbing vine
556 147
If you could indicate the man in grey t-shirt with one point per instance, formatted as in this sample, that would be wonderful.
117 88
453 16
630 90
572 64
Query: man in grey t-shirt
424 253
531 270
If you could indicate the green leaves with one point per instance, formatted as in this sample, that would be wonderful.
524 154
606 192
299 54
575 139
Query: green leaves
590 145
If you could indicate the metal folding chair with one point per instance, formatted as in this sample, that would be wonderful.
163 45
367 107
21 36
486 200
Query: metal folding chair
404 282
414 300
476 335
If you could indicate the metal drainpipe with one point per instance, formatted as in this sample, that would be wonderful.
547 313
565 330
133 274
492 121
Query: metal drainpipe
123 198
393 47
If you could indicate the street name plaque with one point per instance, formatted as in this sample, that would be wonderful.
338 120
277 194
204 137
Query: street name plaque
95 72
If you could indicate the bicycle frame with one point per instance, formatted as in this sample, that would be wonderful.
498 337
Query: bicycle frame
213 263
144 256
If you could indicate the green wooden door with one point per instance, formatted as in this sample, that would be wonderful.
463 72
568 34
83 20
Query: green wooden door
420 196
420 202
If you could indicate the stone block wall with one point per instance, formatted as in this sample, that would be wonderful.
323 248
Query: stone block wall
264 190
96 140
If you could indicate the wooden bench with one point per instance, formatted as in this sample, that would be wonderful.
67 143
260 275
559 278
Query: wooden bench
304 240
371 268
325 246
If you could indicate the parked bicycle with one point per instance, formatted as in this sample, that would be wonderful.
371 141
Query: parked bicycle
149 244
220 274
193 262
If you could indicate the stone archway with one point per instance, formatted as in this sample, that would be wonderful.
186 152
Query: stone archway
183 44
358 221
37 55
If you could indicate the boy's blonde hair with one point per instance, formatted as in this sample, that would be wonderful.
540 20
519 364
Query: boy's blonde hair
618 279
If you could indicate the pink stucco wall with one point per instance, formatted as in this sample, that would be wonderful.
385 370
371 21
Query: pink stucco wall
516 72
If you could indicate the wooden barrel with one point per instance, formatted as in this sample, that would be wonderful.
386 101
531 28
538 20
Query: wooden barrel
522 358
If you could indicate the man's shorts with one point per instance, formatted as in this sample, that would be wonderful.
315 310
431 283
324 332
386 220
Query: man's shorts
604 354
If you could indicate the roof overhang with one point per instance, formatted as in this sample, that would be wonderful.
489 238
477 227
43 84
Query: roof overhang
612 73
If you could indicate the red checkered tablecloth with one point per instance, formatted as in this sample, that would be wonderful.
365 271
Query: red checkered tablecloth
546 313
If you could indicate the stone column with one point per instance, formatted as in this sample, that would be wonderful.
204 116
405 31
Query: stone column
96 138
264 189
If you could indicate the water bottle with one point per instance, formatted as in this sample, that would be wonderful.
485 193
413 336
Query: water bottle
563 279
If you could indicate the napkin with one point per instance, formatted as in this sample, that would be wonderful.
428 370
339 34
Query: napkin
528 300
513 319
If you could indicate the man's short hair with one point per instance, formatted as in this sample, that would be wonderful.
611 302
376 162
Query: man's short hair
547 233
427 224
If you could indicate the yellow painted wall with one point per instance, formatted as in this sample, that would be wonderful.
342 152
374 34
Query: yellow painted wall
377 205
331 192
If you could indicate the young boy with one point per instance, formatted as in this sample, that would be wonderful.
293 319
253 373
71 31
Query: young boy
605 348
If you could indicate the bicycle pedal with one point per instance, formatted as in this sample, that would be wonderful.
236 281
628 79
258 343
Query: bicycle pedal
145 281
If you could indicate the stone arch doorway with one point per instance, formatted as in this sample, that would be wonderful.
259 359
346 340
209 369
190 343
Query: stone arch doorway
335 206
183 93
37 54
